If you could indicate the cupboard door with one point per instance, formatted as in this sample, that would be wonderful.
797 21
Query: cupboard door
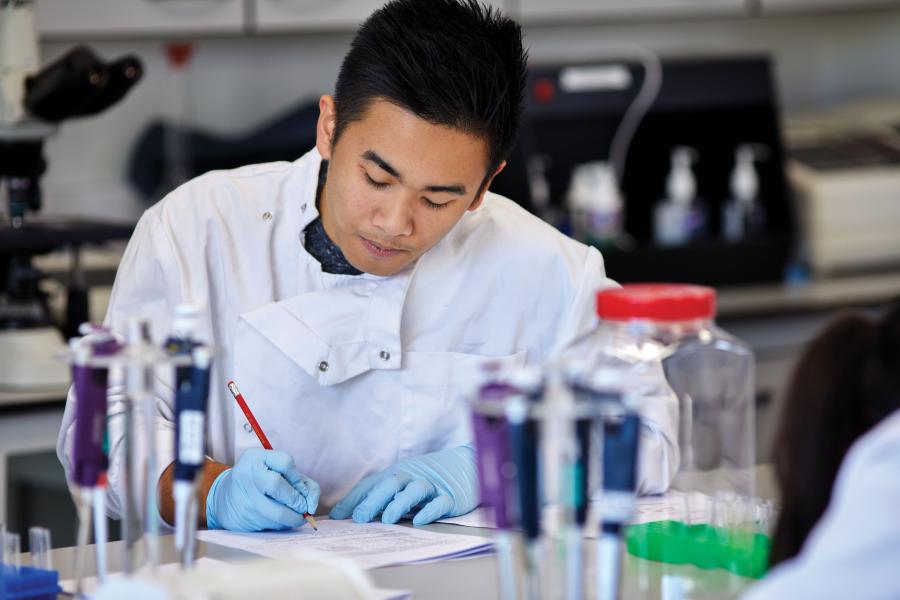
110 18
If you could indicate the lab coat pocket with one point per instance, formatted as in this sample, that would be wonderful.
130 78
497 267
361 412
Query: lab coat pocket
436 387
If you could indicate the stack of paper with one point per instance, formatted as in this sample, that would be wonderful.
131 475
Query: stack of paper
370 545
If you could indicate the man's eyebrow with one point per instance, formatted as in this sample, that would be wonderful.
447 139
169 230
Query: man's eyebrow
371 155
457 189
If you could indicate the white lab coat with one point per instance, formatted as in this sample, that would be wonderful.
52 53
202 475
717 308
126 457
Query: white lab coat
854 549
349 374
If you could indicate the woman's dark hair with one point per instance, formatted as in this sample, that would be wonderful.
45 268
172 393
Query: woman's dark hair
844 384
450 62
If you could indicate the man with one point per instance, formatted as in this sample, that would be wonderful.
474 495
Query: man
353 292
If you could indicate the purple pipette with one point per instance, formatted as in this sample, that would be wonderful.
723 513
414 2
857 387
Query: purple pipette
90 406
496 471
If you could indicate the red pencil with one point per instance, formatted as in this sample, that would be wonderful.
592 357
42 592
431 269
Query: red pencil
232 387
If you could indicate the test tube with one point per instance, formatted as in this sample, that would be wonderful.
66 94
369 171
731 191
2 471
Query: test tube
11 550
39 544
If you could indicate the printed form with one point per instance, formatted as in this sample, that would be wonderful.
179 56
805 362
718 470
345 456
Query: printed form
370 545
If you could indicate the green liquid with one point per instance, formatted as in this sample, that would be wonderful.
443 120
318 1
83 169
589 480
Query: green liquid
742 552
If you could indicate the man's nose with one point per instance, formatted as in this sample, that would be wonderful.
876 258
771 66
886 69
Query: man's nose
394 216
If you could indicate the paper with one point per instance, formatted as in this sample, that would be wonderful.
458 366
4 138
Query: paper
370 545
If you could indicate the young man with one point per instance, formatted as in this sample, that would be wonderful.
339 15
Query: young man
354 292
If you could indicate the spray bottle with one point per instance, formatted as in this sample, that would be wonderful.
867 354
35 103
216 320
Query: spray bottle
743 215
679 218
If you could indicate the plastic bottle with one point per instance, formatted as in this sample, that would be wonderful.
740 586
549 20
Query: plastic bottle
596 204
743 215
660 334
679 218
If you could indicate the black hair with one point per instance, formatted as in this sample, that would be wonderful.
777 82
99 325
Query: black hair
847 381
450 62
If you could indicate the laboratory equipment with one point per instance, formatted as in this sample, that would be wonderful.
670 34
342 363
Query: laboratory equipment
22 582
92 356
90 381
602 387
838 161
711 103
497 475
680 218
621 435
524 431
191 394
32 103
143 357
744 215
650 327
595 204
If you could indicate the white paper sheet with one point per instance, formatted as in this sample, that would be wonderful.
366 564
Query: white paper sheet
370 545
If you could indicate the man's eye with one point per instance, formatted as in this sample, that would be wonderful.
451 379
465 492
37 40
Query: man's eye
434 205
376 184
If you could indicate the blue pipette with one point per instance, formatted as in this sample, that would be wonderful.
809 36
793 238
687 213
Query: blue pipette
191 394
524 440
621 434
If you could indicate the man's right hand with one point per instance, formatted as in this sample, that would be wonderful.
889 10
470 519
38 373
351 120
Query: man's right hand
262 491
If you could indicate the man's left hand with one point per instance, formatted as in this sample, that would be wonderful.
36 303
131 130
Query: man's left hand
444 484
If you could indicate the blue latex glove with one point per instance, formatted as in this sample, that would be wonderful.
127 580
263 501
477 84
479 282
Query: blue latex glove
261 491
446 482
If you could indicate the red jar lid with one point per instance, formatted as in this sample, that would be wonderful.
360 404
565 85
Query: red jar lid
657 302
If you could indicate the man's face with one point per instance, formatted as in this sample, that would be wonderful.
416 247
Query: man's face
396 184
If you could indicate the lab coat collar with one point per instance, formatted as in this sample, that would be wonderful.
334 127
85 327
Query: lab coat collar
343 325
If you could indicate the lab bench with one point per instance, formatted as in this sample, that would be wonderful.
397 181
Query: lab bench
473 578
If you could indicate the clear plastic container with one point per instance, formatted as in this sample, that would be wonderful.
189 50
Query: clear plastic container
658 334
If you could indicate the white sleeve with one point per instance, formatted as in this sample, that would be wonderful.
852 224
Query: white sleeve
659 457
146 286
853 551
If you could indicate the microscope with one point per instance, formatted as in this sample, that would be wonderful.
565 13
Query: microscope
33 102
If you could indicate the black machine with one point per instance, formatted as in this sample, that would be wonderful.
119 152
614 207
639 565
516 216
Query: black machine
78 84
713 105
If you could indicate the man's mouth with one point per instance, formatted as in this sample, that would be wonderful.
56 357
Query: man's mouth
378 250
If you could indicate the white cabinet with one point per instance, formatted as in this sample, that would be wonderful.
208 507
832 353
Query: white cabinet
285 16
298 15
779 6
62 18
536 11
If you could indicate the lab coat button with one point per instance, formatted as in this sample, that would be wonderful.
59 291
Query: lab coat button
267 216
303 207
247 428
385 355
323 366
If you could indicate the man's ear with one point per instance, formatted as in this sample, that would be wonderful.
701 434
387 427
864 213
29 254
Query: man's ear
325 127
487 184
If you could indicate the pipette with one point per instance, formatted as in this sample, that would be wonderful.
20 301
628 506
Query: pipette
142 357
496 476
191 393
621 434
523 437
89 449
